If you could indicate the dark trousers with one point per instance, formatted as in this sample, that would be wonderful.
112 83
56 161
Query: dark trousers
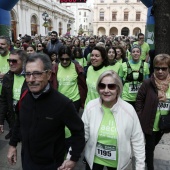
98 167
151 141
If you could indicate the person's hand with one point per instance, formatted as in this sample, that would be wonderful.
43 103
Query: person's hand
12 155
1 75
1 129
67 165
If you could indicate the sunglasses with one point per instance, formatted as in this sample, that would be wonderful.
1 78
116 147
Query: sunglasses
91 42
161 68
39 46
13 61
102 86
66 59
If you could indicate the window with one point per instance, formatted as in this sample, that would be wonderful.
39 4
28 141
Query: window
84 14
79 13
101 1
126 0
138 0
114 1
101 16
126 15
138 14
114 15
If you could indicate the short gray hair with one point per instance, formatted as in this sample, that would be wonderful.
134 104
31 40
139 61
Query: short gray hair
8 41
115 77
43 57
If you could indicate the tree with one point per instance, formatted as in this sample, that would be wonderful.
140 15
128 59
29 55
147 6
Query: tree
162 26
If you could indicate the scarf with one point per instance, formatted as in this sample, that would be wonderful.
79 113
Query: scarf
162 86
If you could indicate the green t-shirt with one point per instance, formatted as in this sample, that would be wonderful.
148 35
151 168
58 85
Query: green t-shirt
115 67
81 61
18 82
106 149
67 132
130 89
88 58
163 109
67 81
4 67
91 81
144 49
120 61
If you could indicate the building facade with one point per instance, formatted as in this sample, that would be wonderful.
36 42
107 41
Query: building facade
27 17
83 13
119 17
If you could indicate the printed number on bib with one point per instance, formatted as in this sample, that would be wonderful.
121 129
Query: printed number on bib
134 88
164 106
106 151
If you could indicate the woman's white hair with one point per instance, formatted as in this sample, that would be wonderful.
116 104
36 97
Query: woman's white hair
115 77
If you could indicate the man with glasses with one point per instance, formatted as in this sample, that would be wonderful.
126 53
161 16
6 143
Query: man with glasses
43 115
11 89
17 45
144 47
90 47
54 45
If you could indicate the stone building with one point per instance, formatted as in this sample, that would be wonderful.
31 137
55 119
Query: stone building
83 13
27 18
119 17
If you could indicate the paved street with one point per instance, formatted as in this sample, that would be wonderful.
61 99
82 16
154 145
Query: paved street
162 155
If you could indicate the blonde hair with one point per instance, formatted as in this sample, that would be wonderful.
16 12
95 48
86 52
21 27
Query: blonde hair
115 77
161 59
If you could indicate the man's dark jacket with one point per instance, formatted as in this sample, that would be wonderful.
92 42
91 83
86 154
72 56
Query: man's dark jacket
42 122
6 99
53 47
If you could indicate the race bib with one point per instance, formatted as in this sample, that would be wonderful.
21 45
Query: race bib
164 106
106 151
134 88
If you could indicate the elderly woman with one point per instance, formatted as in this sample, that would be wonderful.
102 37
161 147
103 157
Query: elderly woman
133 73
152 96
112 128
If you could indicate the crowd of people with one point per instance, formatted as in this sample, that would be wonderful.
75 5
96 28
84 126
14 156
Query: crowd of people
46 81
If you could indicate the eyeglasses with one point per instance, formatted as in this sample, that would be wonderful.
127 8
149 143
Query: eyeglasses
102 86
35 74
161 68
17 43
141 38
39 46
13 61
66 59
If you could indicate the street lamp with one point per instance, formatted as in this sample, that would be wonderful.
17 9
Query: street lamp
45 18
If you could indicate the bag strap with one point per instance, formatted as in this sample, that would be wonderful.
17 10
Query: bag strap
22 96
